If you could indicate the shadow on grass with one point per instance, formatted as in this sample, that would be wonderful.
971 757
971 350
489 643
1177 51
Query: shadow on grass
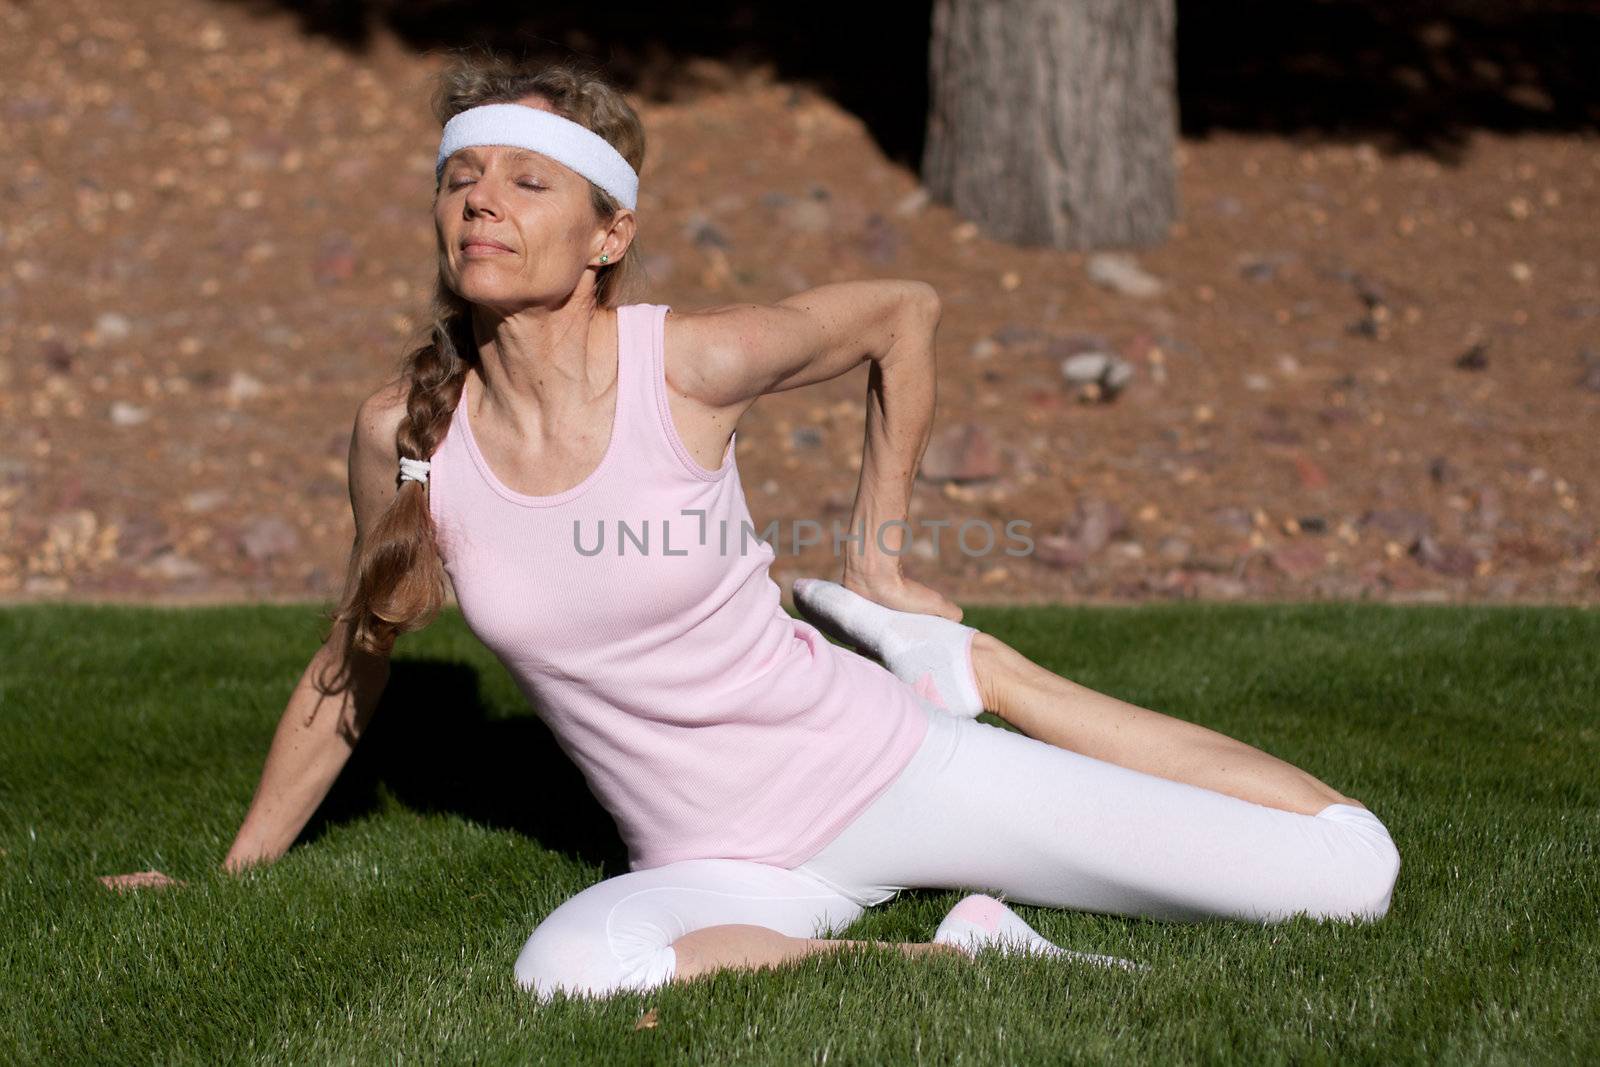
433 746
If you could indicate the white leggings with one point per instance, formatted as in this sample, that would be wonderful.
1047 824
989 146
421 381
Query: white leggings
986 809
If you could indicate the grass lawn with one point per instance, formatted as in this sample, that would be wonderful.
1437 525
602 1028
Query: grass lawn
132 738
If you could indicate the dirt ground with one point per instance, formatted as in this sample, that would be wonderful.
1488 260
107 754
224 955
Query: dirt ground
1355 374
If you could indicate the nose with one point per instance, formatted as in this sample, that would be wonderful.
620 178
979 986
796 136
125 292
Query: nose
481 199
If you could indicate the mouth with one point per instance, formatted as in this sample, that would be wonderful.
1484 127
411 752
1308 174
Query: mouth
479 246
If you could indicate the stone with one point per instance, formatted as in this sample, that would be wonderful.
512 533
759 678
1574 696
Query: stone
1474 358
243 386
125 414
1122 274
112 326
1107 373
1397 524
1236 520
204 500
1095 521
1174 549
1452 559
1590 378
174 567
266 536
1299 559
961 453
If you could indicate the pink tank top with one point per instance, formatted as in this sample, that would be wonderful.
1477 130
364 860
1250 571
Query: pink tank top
652 640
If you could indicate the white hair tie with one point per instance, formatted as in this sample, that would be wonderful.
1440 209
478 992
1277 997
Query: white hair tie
415 470
547 133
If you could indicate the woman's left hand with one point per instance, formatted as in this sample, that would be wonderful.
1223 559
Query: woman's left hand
900 593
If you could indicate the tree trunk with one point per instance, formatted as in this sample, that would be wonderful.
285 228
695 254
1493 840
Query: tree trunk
1053 122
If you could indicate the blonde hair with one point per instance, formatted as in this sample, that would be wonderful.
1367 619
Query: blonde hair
396 580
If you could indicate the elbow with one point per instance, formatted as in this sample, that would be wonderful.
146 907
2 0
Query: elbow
921 301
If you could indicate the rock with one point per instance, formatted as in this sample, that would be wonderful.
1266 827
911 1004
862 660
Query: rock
805 437
961 453
1312 524
1311 475
1299 559
1096 521
203 500
1122 274
112 327
704 233
1474 358
912 202
1173 549
126 414
336 259
1235 519
807 215
1452 559
1440 470
1486 510
1058 550
1219 586
1101 369
1017 334
266 536
141 537
880 241
56 356
174 567
1590 378
1397 524
242 387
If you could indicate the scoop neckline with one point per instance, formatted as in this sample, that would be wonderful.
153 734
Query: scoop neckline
529 499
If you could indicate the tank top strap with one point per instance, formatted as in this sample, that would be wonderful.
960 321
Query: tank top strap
636 360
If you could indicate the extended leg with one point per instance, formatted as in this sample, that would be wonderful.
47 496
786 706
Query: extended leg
970 671
984 808
1044 705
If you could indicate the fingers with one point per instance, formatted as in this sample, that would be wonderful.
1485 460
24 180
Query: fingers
138 880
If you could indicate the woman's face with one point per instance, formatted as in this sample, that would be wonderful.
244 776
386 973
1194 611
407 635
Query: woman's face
537 208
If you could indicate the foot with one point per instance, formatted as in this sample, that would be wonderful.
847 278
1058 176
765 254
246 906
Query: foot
931 654
980 921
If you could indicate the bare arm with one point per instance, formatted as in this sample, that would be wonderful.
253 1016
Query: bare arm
327 712
337 692
734 354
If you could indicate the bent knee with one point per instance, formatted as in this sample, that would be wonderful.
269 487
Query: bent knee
1364 883
582 962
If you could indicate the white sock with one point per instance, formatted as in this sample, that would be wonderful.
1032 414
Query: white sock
930 653
979 921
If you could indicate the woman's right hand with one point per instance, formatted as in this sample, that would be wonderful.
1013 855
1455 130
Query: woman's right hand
138 880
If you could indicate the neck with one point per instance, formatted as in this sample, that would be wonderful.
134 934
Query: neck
540 369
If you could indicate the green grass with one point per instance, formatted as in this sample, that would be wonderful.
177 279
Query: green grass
133 738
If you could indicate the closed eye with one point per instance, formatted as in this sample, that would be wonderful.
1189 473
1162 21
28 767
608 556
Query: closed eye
525 185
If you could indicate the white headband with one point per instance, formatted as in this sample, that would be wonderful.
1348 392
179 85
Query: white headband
547 133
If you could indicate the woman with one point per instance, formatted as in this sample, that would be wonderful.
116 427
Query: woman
568 459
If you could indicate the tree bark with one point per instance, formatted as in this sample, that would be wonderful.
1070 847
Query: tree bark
1054 122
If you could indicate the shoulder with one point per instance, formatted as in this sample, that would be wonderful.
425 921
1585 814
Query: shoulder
375 452
716 355
697 345
379 415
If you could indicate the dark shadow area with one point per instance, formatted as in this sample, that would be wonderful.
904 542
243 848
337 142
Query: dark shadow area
433 746
1405 74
